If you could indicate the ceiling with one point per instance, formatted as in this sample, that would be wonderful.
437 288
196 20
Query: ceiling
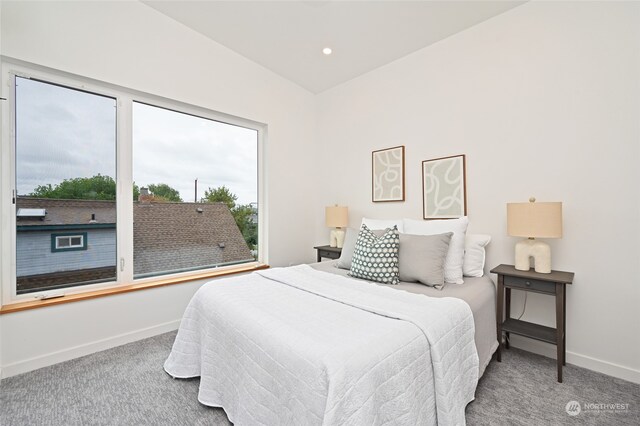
287 37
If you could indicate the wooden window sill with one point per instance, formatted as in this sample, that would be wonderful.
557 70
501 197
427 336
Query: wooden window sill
35 304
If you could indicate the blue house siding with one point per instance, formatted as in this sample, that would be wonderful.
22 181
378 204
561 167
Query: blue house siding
34 255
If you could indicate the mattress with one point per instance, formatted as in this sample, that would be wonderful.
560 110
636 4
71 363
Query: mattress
479 293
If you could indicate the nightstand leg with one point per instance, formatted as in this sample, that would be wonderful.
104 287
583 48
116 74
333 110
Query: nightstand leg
499 309
560 328
507 314
564 324
318 257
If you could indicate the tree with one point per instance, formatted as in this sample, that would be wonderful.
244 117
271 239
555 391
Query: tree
136 192
97 187
243 214
221 194
164 192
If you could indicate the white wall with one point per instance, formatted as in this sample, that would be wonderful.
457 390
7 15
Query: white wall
545 101
132 45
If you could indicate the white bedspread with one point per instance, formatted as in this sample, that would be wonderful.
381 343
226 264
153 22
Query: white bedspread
296 346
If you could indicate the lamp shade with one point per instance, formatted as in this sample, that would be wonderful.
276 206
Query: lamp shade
336 216
534 220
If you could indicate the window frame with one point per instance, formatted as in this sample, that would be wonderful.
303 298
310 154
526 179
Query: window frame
55 236
10 68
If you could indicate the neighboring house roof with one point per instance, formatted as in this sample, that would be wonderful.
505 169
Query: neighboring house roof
67 213
172 236
167 236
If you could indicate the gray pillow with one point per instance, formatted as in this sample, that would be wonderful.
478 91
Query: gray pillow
350 238
422 258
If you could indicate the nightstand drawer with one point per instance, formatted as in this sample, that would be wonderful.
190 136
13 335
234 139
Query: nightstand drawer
529 284
328 254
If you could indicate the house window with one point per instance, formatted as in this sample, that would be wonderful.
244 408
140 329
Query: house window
158 186
68 242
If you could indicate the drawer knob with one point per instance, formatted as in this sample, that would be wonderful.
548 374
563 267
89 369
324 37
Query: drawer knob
528 283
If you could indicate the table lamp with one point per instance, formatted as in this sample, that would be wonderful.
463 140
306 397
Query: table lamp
534 220
336 217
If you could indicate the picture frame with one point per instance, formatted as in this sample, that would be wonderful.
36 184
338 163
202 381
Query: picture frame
444 188
387 175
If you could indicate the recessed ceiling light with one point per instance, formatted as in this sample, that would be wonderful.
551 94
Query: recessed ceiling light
327 51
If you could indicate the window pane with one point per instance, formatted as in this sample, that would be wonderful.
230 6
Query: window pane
197 181
65 174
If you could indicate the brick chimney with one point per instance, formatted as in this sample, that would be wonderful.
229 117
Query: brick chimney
144 196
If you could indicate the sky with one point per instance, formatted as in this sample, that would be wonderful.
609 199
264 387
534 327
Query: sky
61 133
176 149
64 133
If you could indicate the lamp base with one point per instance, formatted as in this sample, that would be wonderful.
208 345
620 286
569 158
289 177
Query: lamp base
337 238
541 253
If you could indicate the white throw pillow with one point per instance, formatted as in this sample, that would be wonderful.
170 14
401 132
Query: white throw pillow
375 224
474 254
351 236
455 255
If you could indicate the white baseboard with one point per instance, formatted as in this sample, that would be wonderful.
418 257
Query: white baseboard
85 349
534 346
580 360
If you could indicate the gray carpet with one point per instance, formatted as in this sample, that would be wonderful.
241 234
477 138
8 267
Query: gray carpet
127 386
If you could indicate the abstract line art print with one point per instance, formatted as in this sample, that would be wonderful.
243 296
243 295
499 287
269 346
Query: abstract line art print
388 174
444 188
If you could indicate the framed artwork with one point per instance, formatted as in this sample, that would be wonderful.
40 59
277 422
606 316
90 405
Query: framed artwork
444 192
387 174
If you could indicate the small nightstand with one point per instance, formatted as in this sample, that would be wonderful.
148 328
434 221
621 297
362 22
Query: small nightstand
328 252
553 284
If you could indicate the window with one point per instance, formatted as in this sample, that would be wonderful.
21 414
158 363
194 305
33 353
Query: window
110 186
196 207
65 167
63 242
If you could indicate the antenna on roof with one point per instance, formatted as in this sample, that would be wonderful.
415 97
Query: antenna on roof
195 200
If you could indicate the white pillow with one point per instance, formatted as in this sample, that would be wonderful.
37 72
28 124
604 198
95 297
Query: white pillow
455 255
474 254
375 224
350 238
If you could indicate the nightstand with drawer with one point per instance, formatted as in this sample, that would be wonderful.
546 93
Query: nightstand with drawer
328 252
554 284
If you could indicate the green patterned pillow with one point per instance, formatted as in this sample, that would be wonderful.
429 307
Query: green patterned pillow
376 258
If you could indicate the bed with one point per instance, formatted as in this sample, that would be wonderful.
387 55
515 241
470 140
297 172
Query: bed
308 345
478 292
